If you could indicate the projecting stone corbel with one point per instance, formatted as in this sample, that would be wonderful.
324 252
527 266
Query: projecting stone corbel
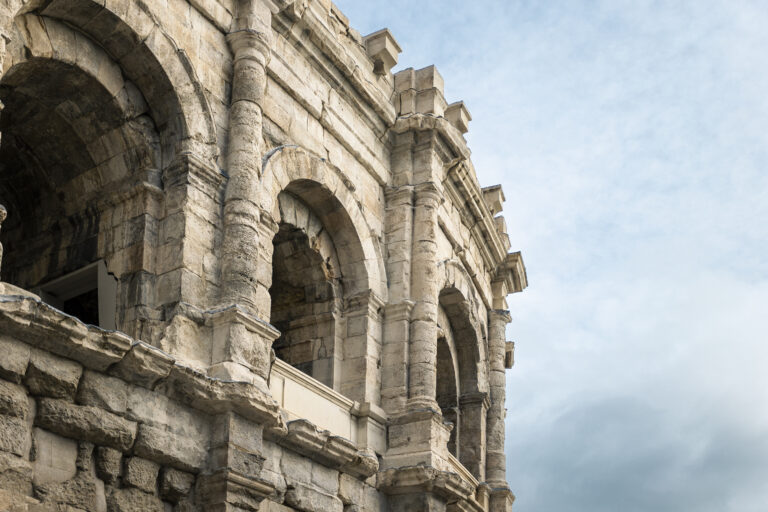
458 115
383 50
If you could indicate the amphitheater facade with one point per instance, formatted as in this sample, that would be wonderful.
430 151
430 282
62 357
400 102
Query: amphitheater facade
244 267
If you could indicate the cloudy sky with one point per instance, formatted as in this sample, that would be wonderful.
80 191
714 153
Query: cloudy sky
631 139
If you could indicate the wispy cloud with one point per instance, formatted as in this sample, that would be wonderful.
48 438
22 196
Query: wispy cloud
631 139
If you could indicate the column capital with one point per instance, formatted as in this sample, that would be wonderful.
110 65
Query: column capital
399 310
499 315
399 195
427 193
250 44
475 398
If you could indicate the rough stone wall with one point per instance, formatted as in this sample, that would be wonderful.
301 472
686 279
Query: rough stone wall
231 182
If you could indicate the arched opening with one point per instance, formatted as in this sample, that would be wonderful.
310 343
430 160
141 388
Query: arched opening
309 194
448 388
72 143
306 293
461 394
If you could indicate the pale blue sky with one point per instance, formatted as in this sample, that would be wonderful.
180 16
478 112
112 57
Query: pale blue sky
631 139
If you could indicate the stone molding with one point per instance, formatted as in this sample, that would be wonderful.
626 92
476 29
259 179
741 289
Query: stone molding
420 479
47 328
322 446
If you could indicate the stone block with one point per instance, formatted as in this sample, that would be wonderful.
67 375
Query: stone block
141 473
81 492
144 365
55 457
13 364
132 500
383 50
99 390
175 484
48 375
14 435
108 464
170 449
15 474
309 499
86 423
350 489
13 400
325 478
458 115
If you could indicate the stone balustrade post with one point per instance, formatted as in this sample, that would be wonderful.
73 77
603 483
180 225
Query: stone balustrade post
496 474
424 293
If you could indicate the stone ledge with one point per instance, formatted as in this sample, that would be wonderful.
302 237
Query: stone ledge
319 445
418 479
40 325
47 328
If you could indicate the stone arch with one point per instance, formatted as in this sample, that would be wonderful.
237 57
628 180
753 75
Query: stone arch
149 58
447 386
457 306
459 300
354 370
327 192
306 292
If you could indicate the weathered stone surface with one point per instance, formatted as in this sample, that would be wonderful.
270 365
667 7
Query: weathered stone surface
14 435
143 365
48 375
14 502
55 457
141 473
170 449
308 499
85 422
13 364
46 328
234 187
132 500
108 464
15 474
13 400
80 492
175 484
99 390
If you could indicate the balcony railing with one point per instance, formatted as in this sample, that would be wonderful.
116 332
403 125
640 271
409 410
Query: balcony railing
303 397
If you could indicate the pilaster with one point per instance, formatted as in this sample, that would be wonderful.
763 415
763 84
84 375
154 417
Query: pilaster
424 293
474 408
496 460
246 253
394 375
233 481
363 348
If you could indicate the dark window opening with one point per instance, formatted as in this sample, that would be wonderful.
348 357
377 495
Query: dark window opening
84 306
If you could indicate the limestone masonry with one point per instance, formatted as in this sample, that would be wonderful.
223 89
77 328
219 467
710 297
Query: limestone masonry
244 267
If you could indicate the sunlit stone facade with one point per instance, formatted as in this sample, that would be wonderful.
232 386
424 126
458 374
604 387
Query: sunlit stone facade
245 267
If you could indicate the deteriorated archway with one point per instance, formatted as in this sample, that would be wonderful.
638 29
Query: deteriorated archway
128 33
447 389
306 293
461 334
84 147
323 230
